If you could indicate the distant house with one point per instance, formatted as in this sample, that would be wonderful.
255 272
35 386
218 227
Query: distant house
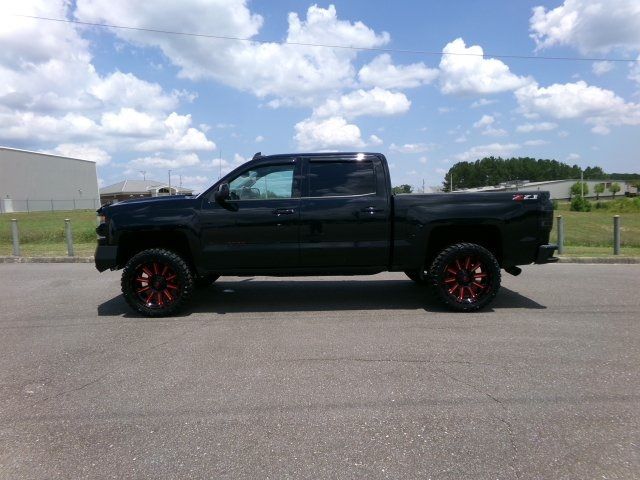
559 189
128 189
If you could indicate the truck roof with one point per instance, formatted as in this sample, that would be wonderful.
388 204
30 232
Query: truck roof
315 154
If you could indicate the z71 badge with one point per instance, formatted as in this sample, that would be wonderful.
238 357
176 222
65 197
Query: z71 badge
519 197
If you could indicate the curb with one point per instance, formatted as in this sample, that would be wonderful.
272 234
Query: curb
602 260
60 259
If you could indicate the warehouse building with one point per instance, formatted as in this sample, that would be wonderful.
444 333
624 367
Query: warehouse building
128 189
33 181
559 189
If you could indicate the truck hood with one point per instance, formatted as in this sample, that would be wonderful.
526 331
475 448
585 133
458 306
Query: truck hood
168 201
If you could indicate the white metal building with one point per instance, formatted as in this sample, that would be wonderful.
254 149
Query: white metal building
33 181
559 189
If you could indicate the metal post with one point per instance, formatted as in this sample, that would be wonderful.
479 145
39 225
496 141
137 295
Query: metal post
69 235
28 206
74 203
560 234
616 234
52 204
15 238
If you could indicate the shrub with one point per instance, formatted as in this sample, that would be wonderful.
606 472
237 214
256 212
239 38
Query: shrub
555 204
579 204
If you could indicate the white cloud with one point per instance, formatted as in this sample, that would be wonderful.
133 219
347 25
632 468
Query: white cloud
599 107
483 102
470 73
493 149
84 152
374 102
535 143
375 140
131 122
180 161
601 67
423 160
51 93
293 72
125 89
411 147
381 72
259 139
536 127
486 123
332 133
178 136
573 156
588 25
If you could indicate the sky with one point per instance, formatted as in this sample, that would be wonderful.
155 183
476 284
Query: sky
425 84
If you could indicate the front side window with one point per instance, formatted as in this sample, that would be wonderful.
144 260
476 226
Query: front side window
336 179
271 181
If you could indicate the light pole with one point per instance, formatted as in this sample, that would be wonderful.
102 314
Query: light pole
169 182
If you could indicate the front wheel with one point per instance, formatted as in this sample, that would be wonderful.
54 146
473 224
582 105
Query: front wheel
157 282
465 276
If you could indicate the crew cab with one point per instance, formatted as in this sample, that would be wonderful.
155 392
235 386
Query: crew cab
321 214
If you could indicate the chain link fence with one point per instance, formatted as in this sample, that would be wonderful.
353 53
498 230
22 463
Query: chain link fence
10 205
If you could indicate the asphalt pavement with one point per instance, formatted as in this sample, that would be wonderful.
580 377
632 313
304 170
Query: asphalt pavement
331 377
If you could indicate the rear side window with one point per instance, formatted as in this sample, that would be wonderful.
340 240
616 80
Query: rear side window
333 179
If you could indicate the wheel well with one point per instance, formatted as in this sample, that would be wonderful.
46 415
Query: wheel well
486 235
131 243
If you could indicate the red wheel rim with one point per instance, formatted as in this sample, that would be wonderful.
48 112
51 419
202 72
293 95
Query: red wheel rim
156 285
466 279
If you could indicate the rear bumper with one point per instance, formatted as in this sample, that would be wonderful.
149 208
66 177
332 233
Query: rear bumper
106 257
545 254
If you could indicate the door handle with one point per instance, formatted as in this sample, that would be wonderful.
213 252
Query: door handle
284 211
372 210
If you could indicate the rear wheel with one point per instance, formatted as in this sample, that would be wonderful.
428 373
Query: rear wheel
465 276
157 282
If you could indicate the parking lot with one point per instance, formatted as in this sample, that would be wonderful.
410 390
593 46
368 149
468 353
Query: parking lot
333 377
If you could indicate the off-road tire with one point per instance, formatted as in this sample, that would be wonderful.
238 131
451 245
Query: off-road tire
459 285
161 277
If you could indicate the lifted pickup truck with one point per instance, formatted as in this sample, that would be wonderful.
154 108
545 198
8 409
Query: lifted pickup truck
320 214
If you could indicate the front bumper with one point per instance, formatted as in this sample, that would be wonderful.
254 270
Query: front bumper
106 257
545 253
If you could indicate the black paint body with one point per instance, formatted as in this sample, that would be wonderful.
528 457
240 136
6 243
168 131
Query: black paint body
307 235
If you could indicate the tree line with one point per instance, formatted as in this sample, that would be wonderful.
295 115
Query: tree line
496 170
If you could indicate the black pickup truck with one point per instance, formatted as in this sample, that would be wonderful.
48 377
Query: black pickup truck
320 214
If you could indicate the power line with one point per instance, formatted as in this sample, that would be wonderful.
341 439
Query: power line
324 45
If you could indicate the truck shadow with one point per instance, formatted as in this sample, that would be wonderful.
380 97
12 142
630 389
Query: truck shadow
250 295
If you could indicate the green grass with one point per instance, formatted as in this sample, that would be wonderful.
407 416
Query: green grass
595 229
42 233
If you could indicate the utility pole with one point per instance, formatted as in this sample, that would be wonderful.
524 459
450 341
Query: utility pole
423 185
144 174
169 182
180 180
451 182
581 183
